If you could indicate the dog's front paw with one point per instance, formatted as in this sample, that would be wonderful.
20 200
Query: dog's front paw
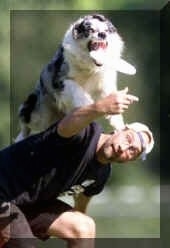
116 121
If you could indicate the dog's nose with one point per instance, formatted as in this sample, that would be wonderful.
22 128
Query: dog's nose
102 35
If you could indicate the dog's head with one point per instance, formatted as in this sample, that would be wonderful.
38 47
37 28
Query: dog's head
96 38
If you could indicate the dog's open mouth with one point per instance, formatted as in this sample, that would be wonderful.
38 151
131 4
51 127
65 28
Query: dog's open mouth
97 51
95 45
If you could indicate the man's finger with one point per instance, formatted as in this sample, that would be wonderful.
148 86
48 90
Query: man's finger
132 98
123 106
125 90
127 102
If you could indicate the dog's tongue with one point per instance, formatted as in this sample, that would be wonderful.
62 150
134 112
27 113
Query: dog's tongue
98 57
122 66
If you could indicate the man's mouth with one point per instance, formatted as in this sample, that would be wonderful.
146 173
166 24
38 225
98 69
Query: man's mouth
95 45
114 150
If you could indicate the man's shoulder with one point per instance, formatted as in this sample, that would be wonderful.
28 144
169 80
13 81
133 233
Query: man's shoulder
91 130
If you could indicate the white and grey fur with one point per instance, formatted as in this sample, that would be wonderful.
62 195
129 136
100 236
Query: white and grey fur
83 69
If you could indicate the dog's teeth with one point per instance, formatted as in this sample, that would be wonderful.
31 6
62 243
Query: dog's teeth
95 45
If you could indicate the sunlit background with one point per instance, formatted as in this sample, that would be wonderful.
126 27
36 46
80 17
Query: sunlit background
129 207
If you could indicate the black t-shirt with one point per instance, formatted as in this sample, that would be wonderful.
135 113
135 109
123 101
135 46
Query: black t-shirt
46 165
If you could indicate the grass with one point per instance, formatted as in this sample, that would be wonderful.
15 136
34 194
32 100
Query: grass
125 227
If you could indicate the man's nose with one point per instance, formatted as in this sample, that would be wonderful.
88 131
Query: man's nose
123 147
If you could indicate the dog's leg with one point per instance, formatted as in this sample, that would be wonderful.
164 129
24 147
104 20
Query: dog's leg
25 131
25 112
116 121
108 87
72 96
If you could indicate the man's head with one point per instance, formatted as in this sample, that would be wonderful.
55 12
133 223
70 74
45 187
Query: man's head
134 141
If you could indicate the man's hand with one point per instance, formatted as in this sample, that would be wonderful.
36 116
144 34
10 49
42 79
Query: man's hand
116 103
79 118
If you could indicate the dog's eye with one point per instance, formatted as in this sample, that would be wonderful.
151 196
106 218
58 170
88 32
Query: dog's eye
112 29
91 30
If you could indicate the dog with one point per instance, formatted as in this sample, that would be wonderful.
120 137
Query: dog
83 69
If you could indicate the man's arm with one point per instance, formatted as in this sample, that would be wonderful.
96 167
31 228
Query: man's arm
79 118
81 202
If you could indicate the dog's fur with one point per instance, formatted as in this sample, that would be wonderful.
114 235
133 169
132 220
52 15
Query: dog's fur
82 70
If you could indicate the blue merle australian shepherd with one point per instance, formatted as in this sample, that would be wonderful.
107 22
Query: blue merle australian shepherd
82 70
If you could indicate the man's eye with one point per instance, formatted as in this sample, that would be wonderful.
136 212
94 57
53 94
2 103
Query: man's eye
133 150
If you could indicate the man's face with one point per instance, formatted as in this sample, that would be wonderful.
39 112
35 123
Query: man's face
122 146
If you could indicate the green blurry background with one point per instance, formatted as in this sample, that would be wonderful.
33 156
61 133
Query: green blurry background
129 205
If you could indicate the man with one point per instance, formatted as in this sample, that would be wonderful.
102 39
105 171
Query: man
73 156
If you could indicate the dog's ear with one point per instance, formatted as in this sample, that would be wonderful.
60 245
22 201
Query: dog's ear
77 30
